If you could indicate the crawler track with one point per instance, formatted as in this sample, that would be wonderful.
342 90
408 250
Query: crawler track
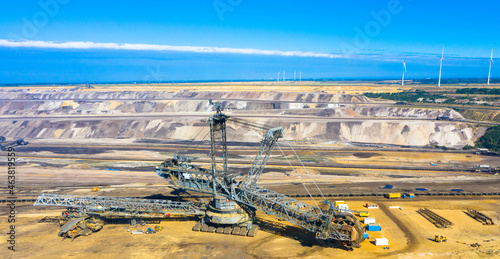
227 230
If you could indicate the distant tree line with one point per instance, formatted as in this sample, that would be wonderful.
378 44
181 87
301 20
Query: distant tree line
413 96
486 91
490 139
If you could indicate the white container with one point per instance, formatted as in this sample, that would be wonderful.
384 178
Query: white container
343 206
369 220
381 242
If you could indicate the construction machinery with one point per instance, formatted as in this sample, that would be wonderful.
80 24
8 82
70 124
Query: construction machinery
158 228
74 224
440 239
364 213
244 195
6 145
236 196
85 214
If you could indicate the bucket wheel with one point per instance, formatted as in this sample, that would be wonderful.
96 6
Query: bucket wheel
350 227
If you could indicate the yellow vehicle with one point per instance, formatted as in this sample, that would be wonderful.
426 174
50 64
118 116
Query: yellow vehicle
158 228
364 213
96 189
440 239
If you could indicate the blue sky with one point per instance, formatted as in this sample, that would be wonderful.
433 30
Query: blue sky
368 46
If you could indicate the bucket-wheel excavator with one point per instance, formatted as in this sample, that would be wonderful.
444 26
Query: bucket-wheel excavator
232 190
236 197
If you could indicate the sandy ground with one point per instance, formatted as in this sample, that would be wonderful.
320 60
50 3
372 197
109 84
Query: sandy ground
408 233
275 240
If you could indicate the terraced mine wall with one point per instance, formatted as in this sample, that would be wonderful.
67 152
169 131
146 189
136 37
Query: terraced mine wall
158 115
482 115
397 133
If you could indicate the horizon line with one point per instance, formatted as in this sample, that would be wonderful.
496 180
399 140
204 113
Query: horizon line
139 82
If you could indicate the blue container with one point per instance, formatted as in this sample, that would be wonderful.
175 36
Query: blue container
373 227
365 235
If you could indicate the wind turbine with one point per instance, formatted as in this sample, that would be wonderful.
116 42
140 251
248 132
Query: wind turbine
404 70
294 73
283 75
279 76
300 76
440 67
489 72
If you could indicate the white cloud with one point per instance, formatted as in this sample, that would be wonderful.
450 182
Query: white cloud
152 47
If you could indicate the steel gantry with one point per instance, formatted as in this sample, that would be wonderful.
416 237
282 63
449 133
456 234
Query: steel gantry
329 224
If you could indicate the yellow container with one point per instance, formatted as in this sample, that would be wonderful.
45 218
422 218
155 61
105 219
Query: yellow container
393 195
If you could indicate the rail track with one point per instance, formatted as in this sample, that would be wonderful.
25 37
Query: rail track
273 163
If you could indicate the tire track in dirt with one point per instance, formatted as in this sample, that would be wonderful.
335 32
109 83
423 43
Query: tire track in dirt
411 243
253 249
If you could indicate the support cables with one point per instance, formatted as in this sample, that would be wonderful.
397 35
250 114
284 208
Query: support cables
306 170
198 133
192 140
201 141
298 176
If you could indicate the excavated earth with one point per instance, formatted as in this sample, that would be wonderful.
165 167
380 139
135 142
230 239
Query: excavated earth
179 115
113 136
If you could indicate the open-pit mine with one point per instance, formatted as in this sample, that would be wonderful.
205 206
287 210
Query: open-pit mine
244 170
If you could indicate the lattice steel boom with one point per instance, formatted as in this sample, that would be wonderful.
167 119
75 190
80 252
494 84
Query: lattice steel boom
122 207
